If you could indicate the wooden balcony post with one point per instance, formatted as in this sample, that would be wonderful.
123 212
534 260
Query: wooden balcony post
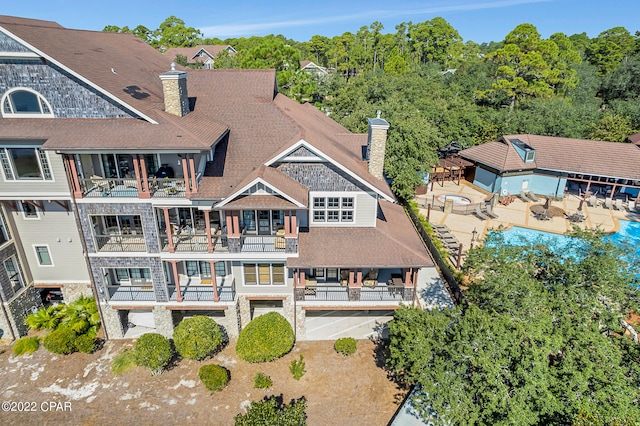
185 174
294 225
194 183
144 177
236 223
167 225
70 161
214 281
352 277
208 231
287 223
358 282
176 279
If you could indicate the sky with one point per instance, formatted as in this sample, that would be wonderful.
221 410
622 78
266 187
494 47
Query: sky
479 20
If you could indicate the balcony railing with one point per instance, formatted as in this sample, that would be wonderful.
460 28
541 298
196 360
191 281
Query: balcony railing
131 293
203 293
128 187
339 293
121 242
194 242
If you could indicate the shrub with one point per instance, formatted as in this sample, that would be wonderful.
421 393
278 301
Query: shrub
45 318
214 377
270 412
123 362
197 337
153 351
297 368
262 381
346 346
60 341
85 343
26 345
265 338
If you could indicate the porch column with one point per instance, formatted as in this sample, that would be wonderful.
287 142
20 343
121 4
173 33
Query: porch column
587 190
352 277
176 279
236 222
214 281
70 161
287 223
185 173
167 225
294 225
208 231
194 183
302 280
407 278
144 178
358 282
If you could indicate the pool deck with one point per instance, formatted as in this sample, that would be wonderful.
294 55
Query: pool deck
517 214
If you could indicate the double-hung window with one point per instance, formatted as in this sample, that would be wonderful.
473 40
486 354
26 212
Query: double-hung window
333 209
25 163
264 274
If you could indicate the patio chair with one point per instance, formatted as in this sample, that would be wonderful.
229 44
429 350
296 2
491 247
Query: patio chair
479 213
490 212
618 204
100 183
631 206
608 202
532 196
371 279
344 277
592 201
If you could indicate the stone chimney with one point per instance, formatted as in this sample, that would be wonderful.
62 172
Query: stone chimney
174 89
376 145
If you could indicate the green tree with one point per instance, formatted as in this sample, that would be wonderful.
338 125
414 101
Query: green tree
537 343
610 48
612 128
436 41
173 32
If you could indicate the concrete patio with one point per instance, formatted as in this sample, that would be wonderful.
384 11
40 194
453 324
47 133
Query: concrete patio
517 213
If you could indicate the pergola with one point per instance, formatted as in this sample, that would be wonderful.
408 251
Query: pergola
604 180
449 169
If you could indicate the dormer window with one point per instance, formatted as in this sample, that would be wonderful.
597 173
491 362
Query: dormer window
25 103
525 151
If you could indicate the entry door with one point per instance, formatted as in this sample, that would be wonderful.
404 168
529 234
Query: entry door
264 227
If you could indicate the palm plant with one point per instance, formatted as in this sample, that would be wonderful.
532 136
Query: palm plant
45 318
82 316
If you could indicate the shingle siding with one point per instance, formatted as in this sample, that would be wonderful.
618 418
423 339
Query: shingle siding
8 44
320 177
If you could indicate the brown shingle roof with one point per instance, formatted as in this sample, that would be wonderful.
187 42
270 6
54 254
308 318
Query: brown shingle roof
190 52
610 159
635 138
393 243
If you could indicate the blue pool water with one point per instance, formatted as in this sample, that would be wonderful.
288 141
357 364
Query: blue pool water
629 234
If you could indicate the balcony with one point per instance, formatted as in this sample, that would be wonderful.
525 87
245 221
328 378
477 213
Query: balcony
120 243
129 187
194 241
340 293
199 292
268 243
131 293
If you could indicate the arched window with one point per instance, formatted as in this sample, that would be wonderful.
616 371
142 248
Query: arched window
23 102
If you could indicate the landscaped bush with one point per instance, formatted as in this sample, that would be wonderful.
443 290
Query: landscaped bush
124 361
270 412
85 343
265 338
197 337
26 345
153 351
262 381
60 341
346 346
45 318
297 368
214 377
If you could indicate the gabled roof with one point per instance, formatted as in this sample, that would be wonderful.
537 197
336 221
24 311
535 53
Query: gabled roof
191 53
393 243
635 138
583 156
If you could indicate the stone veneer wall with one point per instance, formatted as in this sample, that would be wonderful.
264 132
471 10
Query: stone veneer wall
112 321
376 146
22 305
73 291
164 321
144 210
176 100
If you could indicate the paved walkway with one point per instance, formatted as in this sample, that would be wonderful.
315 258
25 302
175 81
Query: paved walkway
517 214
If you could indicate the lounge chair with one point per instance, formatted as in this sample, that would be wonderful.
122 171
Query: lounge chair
608 203
490 212
618 204
532 196
523 196
479 213
100 183
592 201
631 206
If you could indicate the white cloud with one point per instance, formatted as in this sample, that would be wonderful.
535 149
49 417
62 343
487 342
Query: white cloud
244 28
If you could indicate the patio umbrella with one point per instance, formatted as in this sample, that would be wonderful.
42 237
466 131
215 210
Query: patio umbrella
547 203
580 205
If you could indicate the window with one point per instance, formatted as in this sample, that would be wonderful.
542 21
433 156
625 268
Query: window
25 103
25 164
29 211
4 235
221 269
11 266
333 209
42 253
264 273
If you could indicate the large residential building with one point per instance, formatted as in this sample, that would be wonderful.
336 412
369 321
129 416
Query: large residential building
167 194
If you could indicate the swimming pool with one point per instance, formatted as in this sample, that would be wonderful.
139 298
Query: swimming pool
629 234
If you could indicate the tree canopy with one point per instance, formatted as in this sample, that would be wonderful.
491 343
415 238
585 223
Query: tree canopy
540 341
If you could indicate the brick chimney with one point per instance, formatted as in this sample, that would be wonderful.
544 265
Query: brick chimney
376 145
174 89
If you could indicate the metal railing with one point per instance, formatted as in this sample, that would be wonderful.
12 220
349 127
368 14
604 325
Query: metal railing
334 293
195 242
131 293
120 242
203 293
129 187
385 293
